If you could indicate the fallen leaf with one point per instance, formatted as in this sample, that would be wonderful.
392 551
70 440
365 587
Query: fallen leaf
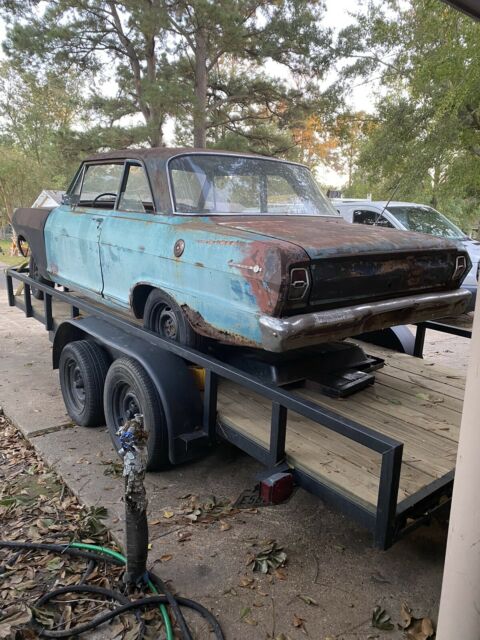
166 557
381 620
416 628
299 623
246 611
280 574
246 582
168 514
225 526
308 600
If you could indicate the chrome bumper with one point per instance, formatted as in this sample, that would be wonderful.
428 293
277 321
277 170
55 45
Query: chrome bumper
283 334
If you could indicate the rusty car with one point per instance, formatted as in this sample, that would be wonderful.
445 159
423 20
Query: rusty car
236 248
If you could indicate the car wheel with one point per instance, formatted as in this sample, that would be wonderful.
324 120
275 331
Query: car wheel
83 368
129 390
35 275
163 315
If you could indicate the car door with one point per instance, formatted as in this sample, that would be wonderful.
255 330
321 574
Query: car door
131 244
73 230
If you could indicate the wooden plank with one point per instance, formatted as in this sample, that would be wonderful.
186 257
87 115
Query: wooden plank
419 383
423 450
421 397
322 453
429 370
421 366
426 415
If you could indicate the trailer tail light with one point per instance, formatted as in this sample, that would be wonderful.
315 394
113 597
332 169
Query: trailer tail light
299 283
276 488
460 267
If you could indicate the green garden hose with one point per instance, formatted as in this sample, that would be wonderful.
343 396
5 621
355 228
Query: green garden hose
152 587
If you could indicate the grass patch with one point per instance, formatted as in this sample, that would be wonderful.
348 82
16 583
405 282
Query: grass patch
5 256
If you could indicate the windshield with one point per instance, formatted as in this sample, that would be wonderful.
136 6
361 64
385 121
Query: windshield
426 220
209 184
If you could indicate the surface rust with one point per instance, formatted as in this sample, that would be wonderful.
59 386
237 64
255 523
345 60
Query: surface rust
209 331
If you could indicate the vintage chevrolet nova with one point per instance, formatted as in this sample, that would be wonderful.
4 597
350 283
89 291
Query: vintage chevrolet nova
237 248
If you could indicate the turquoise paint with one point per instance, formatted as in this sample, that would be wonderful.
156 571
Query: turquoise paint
108 252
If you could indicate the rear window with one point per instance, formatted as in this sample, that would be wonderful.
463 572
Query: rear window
222 184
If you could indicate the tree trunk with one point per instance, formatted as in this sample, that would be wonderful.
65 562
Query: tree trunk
201 79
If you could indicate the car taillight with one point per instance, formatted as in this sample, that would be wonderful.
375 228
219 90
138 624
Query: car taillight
299 284
460 267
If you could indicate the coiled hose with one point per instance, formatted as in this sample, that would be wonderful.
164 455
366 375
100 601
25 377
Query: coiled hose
95 554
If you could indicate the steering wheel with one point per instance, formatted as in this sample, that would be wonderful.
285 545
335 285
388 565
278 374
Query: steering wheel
101 195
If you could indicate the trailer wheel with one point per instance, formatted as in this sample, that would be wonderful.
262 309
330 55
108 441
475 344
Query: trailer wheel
163 315
35 275
128 391
83 368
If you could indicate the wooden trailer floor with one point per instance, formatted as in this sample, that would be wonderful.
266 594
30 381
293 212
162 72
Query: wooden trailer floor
414 401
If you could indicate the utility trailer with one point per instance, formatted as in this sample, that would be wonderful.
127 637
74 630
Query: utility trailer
384 456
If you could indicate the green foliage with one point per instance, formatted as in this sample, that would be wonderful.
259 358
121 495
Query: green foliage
197 61
426 144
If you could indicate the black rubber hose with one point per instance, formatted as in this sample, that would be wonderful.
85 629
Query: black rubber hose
174 601
105 617
61 549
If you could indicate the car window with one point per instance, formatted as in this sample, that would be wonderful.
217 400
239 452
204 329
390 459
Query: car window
224 184
137 195
367 216
281 196
236 193
426 220
100 186
192 191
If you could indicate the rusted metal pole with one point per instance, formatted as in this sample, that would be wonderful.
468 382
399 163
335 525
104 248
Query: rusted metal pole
460 600
133 438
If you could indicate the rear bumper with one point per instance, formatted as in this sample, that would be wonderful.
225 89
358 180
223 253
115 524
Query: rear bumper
295 332
473 296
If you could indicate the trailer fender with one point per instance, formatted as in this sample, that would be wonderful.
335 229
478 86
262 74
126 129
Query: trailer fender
398 338
173 380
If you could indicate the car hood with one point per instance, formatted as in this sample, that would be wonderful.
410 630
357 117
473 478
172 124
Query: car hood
323 237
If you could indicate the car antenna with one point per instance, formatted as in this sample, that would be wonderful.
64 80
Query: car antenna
389 201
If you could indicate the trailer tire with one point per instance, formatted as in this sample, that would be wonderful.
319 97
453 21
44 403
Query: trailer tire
35 275
83 368
130 390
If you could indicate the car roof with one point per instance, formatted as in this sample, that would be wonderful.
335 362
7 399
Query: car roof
164 153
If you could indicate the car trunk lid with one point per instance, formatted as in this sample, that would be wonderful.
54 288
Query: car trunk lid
355 262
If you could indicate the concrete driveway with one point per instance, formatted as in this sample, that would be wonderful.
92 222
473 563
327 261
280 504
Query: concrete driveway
330 559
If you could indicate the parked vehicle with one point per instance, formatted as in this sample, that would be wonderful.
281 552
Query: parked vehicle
240 249
410 216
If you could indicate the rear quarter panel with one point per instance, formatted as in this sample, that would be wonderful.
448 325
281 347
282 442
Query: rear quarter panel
223 280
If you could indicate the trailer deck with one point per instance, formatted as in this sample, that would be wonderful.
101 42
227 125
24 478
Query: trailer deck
412 401
385 455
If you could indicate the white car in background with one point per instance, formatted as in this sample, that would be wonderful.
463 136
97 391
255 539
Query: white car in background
410 216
